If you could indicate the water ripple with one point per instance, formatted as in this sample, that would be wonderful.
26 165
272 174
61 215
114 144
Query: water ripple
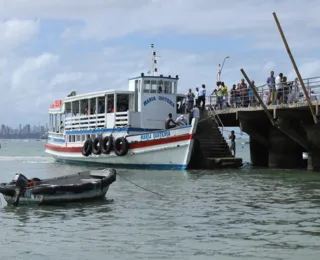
244 214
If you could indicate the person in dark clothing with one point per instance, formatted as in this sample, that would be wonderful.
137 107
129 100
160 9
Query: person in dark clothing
169 122
232 138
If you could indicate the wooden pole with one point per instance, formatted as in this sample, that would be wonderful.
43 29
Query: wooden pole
255 92
315 119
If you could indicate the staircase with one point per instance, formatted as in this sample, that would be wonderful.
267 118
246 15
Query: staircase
211 149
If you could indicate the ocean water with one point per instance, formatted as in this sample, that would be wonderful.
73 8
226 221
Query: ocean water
223 214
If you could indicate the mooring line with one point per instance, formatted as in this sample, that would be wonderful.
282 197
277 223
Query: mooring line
156 193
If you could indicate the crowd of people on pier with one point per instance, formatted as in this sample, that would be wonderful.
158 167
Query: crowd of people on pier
278 91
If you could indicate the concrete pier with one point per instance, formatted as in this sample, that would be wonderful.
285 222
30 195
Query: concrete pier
279 143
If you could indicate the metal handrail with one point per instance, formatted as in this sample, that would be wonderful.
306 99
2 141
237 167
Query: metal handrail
291 96
216 117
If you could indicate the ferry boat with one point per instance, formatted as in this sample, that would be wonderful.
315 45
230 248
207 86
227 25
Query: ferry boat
124 128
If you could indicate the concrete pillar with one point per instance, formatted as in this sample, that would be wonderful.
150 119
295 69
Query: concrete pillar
259 153
258 134
313 133
283 151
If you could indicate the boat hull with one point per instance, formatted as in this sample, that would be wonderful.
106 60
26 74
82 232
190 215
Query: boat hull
30 199
162 150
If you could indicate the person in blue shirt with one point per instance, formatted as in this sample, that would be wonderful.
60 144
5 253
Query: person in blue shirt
272 88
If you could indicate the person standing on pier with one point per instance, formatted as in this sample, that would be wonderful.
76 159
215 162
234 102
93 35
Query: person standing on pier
196 97
272 88
190 99
202 96
279 88
232 138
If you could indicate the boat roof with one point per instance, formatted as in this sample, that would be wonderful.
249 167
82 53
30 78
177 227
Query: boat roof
96 94
155 77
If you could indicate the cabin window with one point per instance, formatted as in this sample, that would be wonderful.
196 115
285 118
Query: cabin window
154 86
147 86
68 108
78 138
160 88
101 105
76 108
93 106
168 87
110 103
181 105
122 102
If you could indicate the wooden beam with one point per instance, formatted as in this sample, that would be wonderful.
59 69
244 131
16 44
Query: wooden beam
315 119
255 92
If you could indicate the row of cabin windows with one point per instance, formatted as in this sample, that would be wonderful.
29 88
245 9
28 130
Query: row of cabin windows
159 86
80 138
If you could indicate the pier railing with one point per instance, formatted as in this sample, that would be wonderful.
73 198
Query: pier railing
291 94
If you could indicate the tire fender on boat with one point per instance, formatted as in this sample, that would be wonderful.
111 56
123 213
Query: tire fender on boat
121 146
96 146
107 144
87 148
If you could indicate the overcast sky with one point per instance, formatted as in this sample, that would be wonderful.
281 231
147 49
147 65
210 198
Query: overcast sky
49 48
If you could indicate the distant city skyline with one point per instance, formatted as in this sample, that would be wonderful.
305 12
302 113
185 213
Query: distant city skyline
24 131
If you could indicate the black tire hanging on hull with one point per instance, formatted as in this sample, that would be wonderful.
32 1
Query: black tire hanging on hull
87 148
121 146
107 144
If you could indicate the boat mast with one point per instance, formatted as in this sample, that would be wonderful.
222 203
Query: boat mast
154 61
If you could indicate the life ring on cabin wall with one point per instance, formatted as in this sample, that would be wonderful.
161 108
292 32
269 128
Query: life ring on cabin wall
121 146
107 144
87 148
96 146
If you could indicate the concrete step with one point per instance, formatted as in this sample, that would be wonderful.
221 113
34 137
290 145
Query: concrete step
223 162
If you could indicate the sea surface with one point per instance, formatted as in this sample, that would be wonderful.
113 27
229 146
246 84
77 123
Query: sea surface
223 214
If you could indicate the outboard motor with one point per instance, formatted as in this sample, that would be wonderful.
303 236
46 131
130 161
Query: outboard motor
20 180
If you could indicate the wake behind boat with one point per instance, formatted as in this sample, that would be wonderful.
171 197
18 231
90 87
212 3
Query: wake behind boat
75 187
124 128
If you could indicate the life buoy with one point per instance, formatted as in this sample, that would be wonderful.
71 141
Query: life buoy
96 146
121 146
87 148
107 144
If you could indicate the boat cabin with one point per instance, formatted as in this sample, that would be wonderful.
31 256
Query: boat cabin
145 105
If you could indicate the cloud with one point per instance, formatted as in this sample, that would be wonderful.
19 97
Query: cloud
49 48
31 70
14 33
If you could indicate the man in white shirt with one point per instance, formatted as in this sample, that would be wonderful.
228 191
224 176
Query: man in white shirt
196 97
181 120
279 87
202 96
195 112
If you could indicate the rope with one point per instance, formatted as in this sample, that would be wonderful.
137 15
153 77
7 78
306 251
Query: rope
156 193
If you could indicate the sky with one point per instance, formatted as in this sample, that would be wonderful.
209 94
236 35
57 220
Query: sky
50 48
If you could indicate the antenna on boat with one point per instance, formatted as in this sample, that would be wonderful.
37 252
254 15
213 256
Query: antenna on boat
154 61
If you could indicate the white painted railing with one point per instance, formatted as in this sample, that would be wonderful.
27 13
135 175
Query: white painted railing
121 119
85 121
55 135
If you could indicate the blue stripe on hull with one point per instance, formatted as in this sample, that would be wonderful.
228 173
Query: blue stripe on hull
55 140
108 130
178 167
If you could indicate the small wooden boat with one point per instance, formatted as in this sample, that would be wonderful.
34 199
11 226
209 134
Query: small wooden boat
75 187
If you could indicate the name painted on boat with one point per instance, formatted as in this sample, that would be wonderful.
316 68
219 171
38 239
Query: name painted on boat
156 135
161 98
165 99
148 100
